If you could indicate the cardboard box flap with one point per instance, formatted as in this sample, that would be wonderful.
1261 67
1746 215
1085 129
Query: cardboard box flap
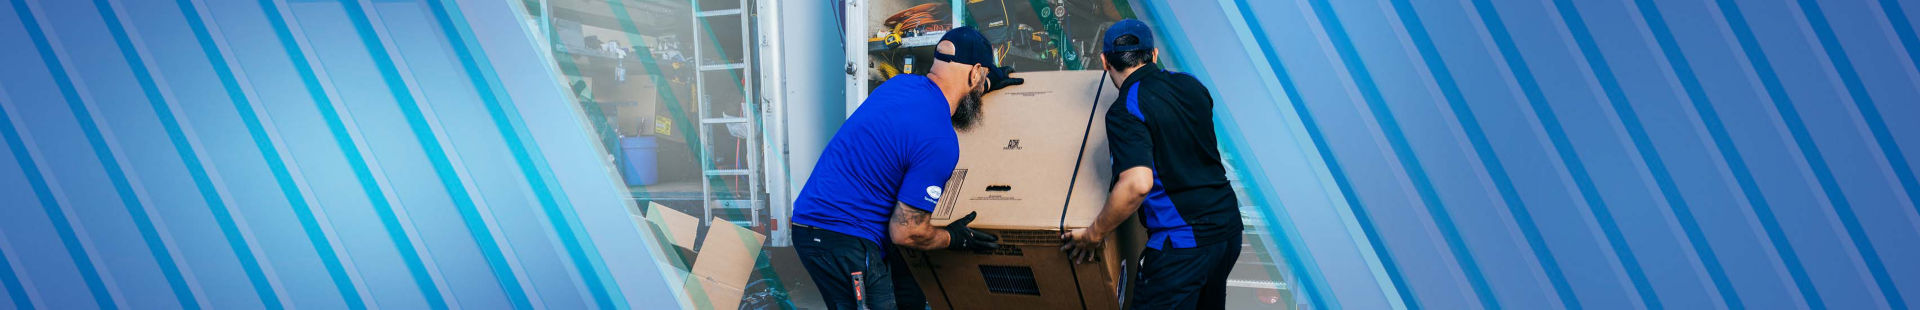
681 229
1036 143
726 263
727 254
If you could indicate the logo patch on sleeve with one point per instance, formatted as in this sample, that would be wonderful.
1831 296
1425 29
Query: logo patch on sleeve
933 193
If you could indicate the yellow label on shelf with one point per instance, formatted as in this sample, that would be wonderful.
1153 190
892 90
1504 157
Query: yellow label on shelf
662 125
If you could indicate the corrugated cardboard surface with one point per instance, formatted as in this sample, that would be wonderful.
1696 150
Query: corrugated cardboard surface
1017 166
681 229
1038 162
726 262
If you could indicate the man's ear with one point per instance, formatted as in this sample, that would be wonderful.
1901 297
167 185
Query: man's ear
984 73
1156 55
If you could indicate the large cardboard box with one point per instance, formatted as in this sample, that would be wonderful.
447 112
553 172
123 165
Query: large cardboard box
1036 166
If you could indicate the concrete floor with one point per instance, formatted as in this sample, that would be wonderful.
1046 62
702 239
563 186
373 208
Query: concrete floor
799 287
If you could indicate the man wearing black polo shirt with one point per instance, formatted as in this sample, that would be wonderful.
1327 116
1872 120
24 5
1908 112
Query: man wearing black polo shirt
1166 165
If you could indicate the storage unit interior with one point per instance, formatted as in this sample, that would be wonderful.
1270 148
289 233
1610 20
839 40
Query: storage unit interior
668 88
632 67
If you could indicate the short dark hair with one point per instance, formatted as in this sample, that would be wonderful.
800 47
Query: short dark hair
1128 59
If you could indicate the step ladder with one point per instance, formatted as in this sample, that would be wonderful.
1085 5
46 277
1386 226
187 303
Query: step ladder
743 127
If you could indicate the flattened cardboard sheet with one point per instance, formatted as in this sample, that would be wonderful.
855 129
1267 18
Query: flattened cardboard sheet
726 263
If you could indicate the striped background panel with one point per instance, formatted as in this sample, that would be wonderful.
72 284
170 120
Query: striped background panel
244 154
1602 154
1421 154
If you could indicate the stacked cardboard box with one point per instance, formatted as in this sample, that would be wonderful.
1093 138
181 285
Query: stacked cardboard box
1037 165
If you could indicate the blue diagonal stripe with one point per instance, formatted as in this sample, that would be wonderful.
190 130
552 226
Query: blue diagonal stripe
1305 271
1729 154
481 73
143 222
188 157
282 175
51 205
383 208
82 262
1902 28
1837 55
1345 184
1757 59
1556 134
410 108
1410 163
1877 123
1643 145
357 163
1483 150
9 280
223 215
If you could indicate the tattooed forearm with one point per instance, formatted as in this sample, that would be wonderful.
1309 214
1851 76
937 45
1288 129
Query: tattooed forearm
910 216
909 228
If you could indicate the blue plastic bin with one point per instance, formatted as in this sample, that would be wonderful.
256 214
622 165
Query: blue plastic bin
642 160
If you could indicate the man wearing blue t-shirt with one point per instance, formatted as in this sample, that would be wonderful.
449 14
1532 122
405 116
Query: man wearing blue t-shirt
880 177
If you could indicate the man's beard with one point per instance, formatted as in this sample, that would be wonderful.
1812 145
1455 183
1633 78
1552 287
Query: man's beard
968 112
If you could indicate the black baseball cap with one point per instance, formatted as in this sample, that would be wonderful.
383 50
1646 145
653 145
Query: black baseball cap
1127 27
969 47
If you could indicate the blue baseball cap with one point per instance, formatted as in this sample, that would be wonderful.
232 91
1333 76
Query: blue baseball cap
1127 27
969 47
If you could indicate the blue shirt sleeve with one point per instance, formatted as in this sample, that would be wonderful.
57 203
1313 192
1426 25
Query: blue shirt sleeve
928 167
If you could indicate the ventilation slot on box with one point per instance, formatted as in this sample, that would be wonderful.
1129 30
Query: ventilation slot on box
1010 280
1028 237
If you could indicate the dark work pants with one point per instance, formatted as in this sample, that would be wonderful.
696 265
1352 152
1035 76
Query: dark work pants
1192 278
832 258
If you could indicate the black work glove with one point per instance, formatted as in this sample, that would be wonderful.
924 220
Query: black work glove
1001 77
963 238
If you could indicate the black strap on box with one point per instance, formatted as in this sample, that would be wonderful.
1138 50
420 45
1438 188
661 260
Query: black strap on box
1099 88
